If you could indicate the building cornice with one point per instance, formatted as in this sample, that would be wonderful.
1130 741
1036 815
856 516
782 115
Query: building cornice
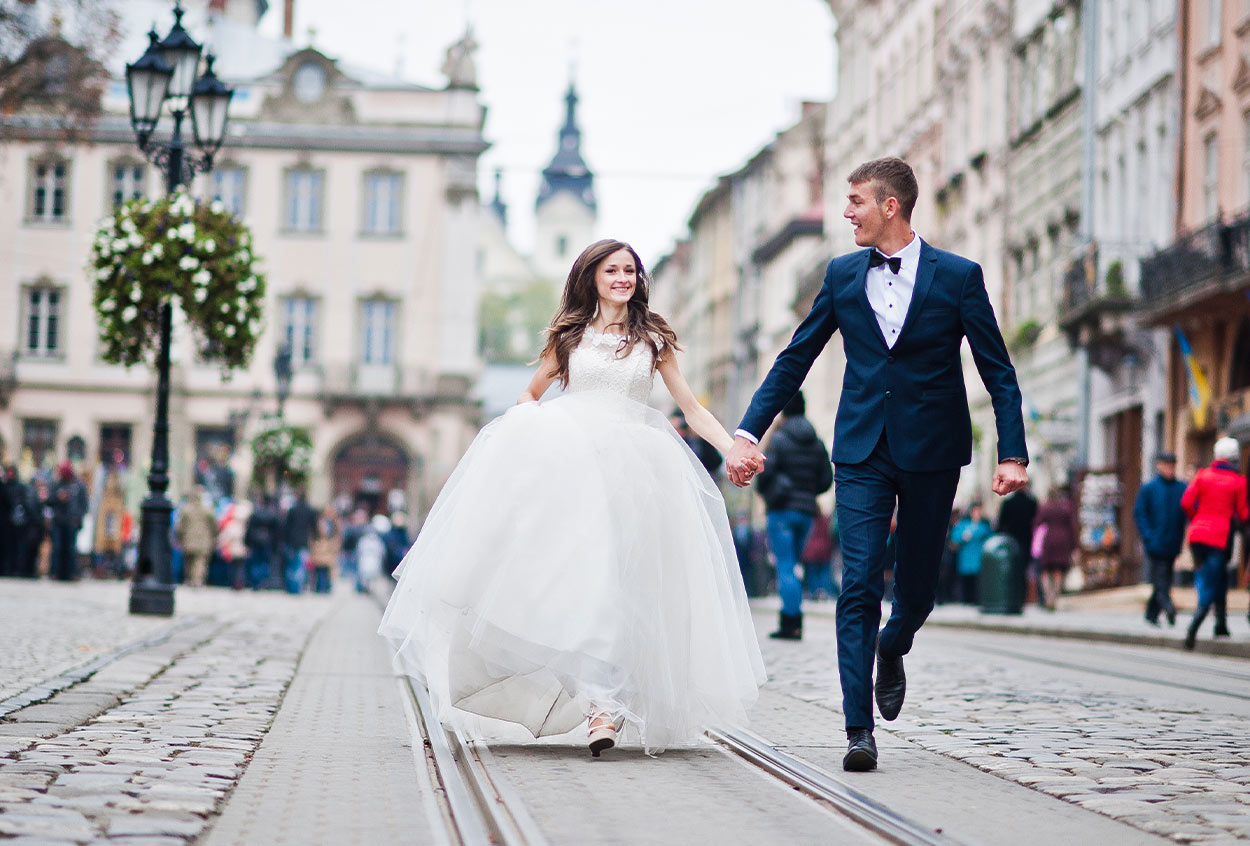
271 136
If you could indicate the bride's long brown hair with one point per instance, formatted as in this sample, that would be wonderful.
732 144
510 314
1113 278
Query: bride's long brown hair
580 303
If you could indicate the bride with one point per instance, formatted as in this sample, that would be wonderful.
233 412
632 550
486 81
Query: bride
578 562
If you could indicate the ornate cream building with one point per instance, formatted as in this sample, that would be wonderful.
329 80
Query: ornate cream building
360 189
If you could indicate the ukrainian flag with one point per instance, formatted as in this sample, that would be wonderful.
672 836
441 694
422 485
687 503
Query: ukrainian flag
1199 387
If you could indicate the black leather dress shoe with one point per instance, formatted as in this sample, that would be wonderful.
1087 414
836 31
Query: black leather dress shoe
891 686
861 751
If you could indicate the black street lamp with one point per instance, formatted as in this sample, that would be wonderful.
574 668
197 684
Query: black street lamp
165 75
282 375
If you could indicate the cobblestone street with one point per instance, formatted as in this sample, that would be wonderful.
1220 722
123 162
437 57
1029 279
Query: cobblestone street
265 718
1156 740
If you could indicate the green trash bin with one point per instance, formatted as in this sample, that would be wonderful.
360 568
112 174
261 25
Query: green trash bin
1001 583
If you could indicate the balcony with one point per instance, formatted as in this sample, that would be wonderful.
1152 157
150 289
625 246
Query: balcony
1206 263
375 387
1097 307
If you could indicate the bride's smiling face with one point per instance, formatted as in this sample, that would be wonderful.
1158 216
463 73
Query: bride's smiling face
616 278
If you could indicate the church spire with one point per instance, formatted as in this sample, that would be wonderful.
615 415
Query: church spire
567 170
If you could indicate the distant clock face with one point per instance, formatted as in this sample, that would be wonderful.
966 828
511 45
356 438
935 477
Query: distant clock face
310 82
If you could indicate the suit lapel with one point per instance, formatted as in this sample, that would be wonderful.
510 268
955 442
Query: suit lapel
924 281
861 294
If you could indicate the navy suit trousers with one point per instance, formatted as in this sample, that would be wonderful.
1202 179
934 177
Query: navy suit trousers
866 495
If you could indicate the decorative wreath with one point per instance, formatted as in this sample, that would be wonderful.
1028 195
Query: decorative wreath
195 255
288 449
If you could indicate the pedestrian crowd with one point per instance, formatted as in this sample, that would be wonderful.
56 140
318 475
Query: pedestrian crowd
60 525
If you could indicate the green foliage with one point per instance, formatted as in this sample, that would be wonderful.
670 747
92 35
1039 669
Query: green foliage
1115 279
511 325
1025 335
195 255
283 451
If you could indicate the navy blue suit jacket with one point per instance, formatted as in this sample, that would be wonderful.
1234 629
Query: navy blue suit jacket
915 390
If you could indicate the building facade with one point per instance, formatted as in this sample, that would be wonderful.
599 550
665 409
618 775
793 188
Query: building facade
1197 289
360 190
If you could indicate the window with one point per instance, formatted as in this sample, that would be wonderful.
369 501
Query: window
42 333
126 179
49 192
1245 162
1215 10
383 194
299 318
39 436
1210 178
377 332
225 185
304 189
115 444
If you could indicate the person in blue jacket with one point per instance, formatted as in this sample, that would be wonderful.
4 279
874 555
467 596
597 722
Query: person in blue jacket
1161 524
968 537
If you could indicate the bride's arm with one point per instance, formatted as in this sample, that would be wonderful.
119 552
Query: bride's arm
700 419
543 377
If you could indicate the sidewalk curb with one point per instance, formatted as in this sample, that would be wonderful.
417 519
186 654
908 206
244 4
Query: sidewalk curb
1225 648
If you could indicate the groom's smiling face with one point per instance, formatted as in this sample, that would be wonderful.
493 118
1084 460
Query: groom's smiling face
865 213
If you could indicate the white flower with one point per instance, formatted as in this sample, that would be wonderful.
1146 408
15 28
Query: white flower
225 308
136 293
217 206
188 263
243 256
172 233
147 257
119 246
135 239
103 273
201 294
210 245
158 249
248 285
230 331
129 313
105 249
187 231
107 305
202 277
128 225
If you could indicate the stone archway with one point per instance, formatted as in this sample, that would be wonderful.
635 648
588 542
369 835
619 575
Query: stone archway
367 468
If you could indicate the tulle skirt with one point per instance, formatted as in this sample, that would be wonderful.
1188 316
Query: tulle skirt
578 559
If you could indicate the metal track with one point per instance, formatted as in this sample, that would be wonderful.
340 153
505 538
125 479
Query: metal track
483 810
1151 661
824 787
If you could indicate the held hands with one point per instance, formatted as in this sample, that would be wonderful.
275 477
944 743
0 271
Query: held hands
1009 476
743 462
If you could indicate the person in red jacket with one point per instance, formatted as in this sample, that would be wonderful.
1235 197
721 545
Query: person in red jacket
1216 502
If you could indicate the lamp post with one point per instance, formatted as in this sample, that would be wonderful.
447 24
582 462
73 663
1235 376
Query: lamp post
282 375
166 76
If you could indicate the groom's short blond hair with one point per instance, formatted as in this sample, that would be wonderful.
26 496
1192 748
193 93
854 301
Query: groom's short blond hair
891 177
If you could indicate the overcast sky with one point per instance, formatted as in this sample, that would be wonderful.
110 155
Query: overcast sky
674 92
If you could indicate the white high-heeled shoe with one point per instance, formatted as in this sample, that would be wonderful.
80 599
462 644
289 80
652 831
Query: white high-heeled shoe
602 733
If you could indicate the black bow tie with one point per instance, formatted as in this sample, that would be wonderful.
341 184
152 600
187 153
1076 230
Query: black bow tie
877 258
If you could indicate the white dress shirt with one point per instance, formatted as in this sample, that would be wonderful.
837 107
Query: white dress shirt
889 294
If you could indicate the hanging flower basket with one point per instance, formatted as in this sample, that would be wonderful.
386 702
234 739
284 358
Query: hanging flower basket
195 255
286 451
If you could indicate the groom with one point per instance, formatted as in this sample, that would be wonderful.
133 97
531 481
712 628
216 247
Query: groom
902 430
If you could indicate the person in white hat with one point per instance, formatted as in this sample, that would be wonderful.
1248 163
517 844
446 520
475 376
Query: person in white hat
1217 503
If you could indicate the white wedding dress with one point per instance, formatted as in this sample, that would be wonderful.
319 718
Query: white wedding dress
579 558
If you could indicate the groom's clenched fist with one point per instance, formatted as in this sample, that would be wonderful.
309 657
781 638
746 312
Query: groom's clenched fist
744 462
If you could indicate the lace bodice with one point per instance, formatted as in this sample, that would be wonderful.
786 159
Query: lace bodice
594 366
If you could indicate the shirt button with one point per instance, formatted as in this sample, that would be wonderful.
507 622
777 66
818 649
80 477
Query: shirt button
889 394
890 359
